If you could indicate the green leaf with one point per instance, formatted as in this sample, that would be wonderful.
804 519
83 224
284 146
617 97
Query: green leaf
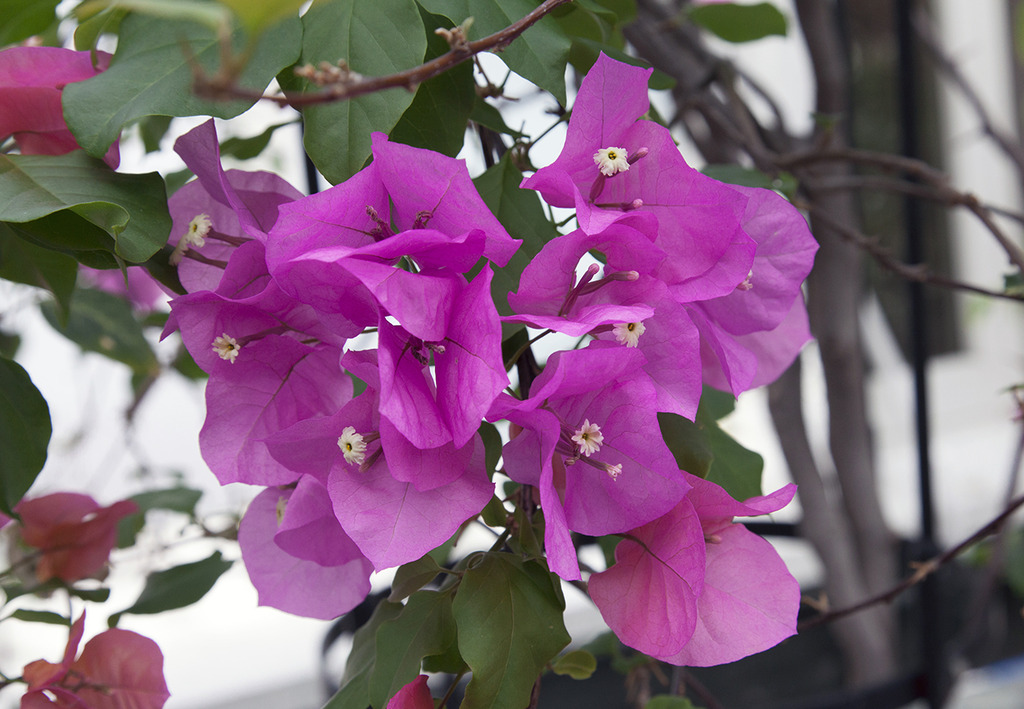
740 23
152 130
578 664
492 446
25 430
539 54
667 701
520 212
355 684
412 577
89 30
73 203
437 117
24 18
22 261
176 587
175 499
509 617
487 115
749 177
40 617
151 74
200 11
103 322
424 627
259 15
736 468
688 442
376 38
247 148
93 595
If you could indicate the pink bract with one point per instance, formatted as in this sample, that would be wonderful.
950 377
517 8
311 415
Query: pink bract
73 533
31 82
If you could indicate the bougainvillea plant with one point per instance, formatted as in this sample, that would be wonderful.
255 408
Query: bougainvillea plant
371 350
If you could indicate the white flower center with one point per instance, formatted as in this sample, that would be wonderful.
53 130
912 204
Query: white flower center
611 160
198 228
352 446
628 333
227 347
588 437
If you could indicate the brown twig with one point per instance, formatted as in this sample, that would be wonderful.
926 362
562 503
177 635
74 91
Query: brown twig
921 572
408 79
912 272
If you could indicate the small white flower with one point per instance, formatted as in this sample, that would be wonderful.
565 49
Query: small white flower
198 228
611 160
227 347
628 333
589 438
614 471
352 445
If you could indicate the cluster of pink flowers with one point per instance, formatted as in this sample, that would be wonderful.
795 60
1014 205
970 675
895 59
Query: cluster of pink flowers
369 451
700 284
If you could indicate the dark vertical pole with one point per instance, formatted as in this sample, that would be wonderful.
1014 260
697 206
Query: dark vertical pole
936 670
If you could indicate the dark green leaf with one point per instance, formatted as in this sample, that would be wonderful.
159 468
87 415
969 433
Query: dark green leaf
735 468
175 499
578 664
176 587
659 80
22 261
375 37
539 54
688 442
104 323
487 115
492 446
412 577
509 618
749 177
25 430
740 23
9 344
520 212
355 684
152 130
89 30
72 202
151 74
24 18
424 627
40 617
437 117
247 148
93 595
494 513
715 404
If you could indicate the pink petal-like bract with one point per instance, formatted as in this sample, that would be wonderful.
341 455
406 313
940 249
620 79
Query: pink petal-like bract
73 532
415 695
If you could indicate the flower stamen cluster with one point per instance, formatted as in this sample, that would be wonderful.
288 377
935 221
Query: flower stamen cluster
352 445
227 347
611 160
195 237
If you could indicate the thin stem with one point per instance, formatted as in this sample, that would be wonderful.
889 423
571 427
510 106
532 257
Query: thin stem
922 570
210 87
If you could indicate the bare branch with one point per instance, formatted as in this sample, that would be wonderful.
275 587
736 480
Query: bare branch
922 571
210 87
